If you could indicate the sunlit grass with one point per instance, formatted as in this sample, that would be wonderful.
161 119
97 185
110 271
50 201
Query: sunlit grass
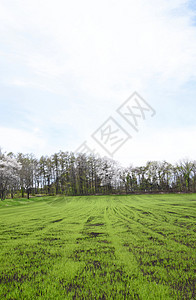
98 247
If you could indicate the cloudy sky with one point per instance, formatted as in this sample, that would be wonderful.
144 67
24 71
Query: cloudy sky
66 67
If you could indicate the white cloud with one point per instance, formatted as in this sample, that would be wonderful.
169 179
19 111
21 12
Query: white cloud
171 145
20 83
95 54
104 44
17 140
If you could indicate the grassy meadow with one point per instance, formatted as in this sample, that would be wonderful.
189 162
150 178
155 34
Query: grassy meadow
98 247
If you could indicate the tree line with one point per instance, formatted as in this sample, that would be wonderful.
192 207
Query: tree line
79 174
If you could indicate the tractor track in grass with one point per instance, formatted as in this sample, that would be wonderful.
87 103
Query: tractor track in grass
99 255
129 260
104 247
167 262
124 217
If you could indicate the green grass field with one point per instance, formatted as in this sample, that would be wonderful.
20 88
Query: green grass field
98 247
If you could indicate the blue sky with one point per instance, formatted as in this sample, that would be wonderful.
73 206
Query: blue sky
66 66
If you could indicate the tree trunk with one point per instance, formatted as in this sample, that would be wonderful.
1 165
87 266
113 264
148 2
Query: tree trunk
22 192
